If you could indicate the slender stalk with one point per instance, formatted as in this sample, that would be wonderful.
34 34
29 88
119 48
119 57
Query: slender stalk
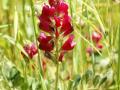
25 72
57 66
35 33
70 2
24 16
57 76
39 59
93 57
24 19
118 66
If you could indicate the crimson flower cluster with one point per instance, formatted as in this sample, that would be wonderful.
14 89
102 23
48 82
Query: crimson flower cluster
55 24
96 37
30 49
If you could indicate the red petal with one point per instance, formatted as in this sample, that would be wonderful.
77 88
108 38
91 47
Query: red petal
31 50
62 8
48 11
66 26
51 11
57 33
96 37
69 44
46 47
45 10
45 22
46 42
57 21
89 50
68 31
43 38
45 26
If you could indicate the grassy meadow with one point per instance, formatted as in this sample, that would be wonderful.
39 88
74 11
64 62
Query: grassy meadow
80 70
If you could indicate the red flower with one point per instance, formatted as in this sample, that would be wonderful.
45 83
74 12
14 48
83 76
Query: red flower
69 44
45 18
46 42
47 10
55 21
62 8
66 26
31 50
59 14
96 37
89 50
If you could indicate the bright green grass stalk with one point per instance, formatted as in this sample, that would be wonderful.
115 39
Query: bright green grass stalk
71 10
57 76
9 29
90 34
73 63
35 33
39 59
93 56
24 15
24 64
118 66
57 65
75 53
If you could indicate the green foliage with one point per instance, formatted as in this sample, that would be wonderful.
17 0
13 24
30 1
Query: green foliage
74 83
19 25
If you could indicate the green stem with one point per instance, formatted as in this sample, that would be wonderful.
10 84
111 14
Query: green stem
90 33
93 57
118 66
25 72
57 66
70 2
57 76
24 16
35 33
39 57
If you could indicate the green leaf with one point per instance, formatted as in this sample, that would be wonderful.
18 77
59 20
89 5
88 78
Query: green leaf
13 73
87 76
15 23
33 84
103 80
96 80
74 83
12 41
17 81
